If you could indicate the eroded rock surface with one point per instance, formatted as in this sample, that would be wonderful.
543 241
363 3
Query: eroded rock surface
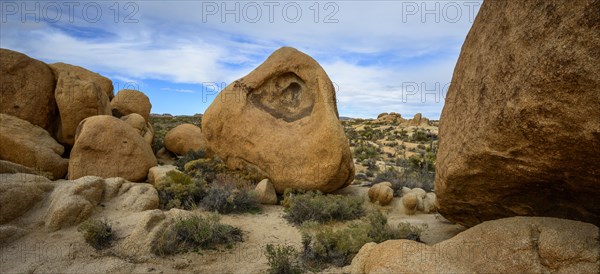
510 245
520 129
281 120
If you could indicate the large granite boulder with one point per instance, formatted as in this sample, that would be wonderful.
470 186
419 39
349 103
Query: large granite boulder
520 129
183 138
20 192
281 121
107 147
77 99
104 84
128 101
510 245
27 89
29 145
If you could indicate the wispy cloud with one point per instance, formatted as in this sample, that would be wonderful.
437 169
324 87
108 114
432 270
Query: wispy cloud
178 90
375 52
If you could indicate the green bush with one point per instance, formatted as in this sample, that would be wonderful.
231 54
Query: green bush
314 206
283 259
209 168
365 151
195 233
190 156
206 168
228 194
96 233
338 247
396 178
411 232
179 190
420 136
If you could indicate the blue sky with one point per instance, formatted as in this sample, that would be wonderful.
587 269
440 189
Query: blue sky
382 56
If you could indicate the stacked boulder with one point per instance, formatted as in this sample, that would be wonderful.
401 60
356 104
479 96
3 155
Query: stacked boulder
381 193
184 138
42 110
417 199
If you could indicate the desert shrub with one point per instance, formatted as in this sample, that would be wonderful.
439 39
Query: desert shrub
209 168
228 194
411 232
283 259
420 136
395 177
193 233
315 206
96 233
206 168
371 164
190 156
157 144
338 247
179 190
365 151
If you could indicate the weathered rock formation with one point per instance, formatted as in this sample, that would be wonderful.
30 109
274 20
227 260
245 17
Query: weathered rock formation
418 120
282 120
183 138
266 192
139 123
77 99
391 117
128 101
24 143
27 89
510 245
108 147
20 192
520 129
381 193
104 84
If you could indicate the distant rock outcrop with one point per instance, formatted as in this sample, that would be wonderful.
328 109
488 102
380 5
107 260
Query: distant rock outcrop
24 143
183 138
108 147
129 101
282 120
418 120
391 117
27 89
520 129
511 245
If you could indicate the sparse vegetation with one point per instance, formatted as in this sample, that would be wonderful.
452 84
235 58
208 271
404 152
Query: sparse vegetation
97 233
180 190
190 156
228 194
315 206
365 150
338 247
194 233
283 259
162 124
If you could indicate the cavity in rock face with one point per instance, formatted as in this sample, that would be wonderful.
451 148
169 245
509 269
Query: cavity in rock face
281 121
284 96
